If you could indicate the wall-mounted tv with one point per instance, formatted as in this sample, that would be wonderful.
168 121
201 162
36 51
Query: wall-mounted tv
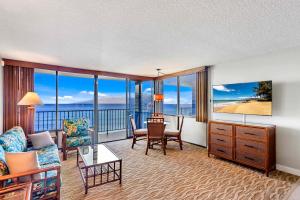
254 98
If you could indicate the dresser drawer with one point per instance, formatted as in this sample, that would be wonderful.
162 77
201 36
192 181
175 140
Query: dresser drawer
224 129
225 152
221 139
251 146
255 160
251 133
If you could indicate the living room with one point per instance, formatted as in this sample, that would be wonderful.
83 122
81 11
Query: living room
120 71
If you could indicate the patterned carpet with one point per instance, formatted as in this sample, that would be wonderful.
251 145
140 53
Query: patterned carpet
187 174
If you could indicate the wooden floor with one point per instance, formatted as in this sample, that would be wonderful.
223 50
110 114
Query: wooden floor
186 174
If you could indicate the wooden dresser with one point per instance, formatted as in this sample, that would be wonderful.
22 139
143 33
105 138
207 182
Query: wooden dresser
248 144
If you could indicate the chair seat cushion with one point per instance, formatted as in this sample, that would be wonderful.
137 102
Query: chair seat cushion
48 155
171 133
140 132
78 141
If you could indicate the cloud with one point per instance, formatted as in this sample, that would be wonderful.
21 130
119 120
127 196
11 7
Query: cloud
170 101
101 94
148 90
222 88
65 97
87 92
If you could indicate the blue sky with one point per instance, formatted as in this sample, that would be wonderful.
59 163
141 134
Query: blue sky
80 89
238 91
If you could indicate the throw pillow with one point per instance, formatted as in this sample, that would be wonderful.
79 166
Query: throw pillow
14 140
40 140
20 162
3 165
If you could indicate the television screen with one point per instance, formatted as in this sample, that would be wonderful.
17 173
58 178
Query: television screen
253 98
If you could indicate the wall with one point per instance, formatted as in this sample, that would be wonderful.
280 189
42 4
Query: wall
283 68
192 131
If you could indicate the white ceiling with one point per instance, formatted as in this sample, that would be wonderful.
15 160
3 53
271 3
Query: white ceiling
137 36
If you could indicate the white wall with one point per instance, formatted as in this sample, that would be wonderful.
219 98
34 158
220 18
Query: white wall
192 131
283 68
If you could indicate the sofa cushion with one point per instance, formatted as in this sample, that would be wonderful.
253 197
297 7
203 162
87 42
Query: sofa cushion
77 127
78 141
19 162
40 140
48 155
3 165
38 187
14 140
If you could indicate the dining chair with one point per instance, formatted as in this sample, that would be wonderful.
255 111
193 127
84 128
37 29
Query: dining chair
175 135
156 130
157 115
137 133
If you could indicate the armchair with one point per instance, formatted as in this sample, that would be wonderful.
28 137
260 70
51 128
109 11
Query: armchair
75 133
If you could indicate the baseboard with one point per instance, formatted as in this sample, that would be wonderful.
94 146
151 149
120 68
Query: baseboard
287 169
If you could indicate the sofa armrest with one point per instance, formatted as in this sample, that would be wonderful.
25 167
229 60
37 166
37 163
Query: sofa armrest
30 173
64 145
14 180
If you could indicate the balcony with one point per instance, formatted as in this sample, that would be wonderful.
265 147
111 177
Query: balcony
111 124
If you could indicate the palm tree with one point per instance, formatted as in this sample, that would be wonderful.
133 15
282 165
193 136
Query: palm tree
264 90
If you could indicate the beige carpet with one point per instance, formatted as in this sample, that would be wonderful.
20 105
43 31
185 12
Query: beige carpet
187 174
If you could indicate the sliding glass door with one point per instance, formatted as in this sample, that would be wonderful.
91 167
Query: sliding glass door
112 111
106 102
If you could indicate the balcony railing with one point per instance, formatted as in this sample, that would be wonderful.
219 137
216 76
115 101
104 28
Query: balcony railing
109 119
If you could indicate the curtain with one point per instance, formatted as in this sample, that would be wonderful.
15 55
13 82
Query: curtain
202 96
17 81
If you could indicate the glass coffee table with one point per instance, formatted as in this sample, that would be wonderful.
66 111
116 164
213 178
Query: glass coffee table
98 165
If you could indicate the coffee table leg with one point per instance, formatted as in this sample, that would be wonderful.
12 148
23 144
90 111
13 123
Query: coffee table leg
77 157
86 180
120 171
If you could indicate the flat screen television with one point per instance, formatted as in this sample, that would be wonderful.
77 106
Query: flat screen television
254 98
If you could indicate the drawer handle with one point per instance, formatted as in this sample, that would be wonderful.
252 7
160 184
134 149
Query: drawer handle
252 159
220 150
249 133
249 146
220 140
221 129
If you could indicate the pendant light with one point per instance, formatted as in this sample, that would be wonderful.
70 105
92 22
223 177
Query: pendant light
158 96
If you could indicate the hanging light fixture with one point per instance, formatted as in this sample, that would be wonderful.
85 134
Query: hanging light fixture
158 96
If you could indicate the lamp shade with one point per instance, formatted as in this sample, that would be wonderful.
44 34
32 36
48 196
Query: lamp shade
30 99
158 97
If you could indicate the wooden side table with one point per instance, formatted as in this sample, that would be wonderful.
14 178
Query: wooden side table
20 191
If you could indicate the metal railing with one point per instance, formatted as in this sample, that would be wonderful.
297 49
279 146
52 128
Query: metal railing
109 119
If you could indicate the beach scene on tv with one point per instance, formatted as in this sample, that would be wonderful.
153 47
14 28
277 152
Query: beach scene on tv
253 98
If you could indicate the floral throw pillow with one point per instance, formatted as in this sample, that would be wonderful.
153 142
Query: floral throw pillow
78 127
14 140
3 165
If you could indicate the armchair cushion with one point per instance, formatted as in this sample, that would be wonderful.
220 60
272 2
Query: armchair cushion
78 141
3 165
14 140
75 128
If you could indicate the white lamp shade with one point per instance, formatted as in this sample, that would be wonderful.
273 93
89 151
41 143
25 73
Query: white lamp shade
30 99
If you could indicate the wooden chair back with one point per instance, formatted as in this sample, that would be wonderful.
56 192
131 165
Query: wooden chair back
156 128
157 115
180 123
132 122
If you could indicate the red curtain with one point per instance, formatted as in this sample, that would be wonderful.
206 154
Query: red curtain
17 81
